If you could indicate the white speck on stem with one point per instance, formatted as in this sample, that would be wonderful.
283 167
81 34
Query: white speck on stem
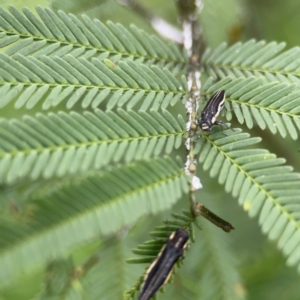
187 164
188 143
197 75
188 106
188 125
196 183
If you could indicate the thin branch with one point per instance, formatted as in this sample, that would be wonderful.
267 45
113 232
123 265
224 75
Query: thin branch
189 10
161 26
213 218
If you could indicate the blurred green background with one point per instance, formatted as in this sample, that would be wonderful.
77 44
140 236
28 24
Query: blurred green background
262 267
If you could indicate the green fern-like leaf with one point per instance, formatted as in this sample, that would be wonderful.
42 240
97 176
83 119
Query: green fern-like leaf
51 60
254 59
272 105
59 34
28 80
150 249
80 210
258 179
59 144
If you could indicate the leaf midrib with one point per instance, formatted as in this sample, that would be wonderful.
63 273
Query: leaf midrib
53 149
91 86
263 107
91 47
248 68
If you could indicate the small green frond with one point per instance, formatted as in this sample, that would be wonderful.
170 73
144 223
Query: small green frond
259 179
79 210
70 143
150 249
272 105
26 81
59 34
218 277
253 58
